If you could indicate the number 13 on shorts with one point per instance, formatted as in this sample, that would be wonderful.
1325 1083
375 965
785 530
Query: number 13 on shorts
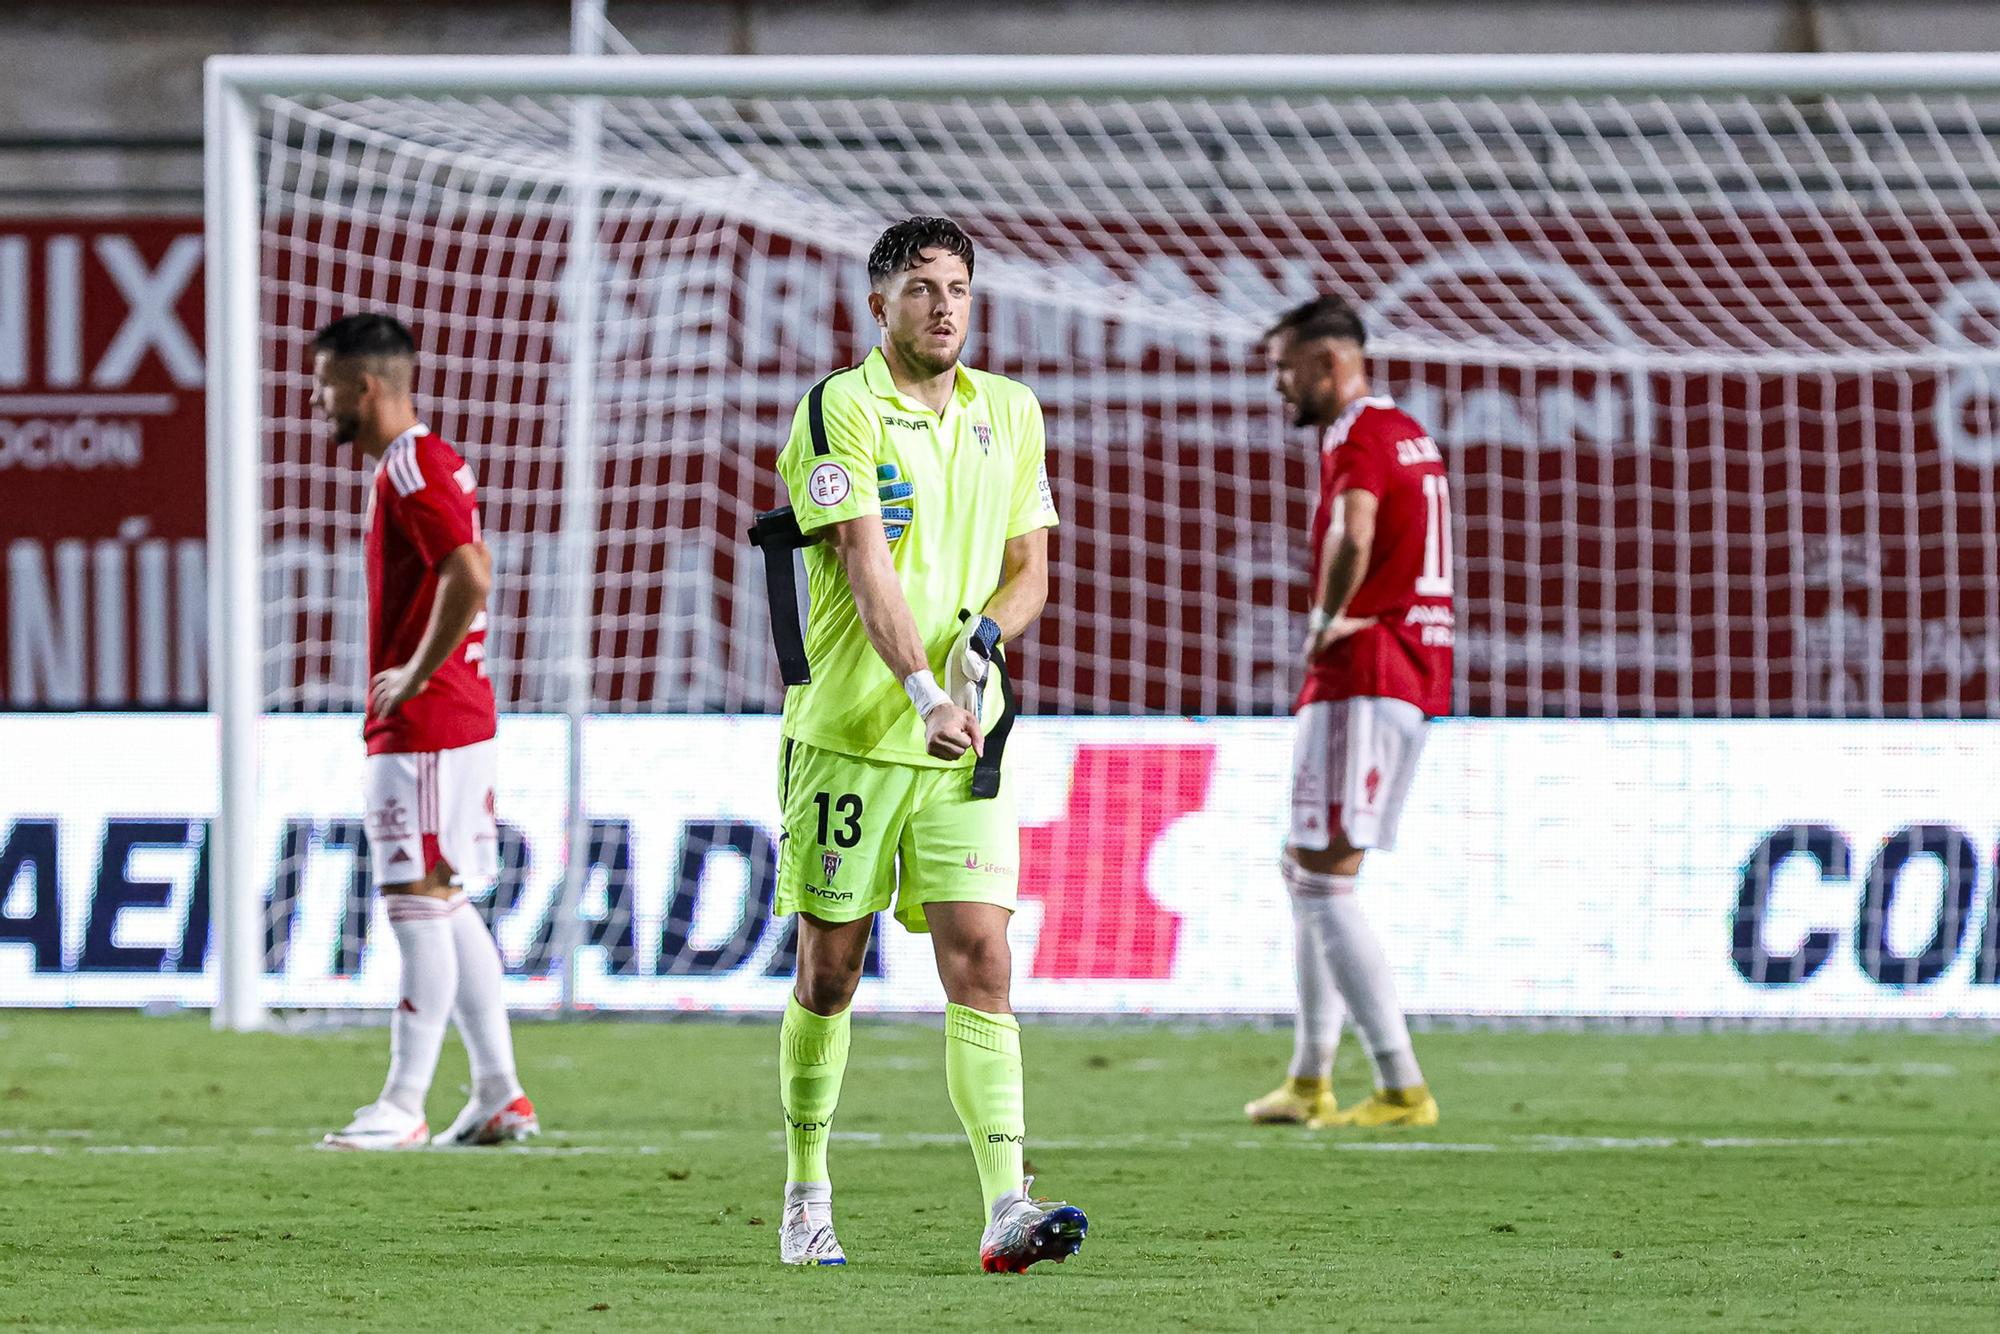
861 835
839 819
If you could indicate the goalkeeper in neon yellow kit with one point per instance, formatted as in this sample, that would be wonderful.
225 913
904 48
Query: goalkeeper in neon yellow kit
924 484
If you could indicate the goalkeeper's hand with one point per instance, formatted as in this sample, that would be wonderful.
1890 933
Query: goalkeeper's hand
950 731
970 661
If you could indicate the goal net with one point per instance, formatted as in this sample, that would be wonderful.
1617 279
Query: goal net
1714 369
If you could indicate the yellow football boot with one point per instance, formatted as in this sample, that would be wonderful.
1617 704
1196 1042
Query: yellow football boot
1294 1102
1385 1108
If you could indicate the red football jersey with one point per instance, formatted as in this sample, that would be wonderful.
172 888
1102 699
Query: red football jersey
421 508
1406 653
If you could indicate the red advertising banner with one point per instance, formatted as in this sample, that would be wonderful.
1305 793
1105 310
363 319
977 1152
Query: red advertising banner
1757 530
102 492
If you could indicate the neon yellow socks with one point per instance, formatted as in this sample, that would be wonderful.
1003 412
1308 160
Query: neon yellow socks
982 1068
812 1057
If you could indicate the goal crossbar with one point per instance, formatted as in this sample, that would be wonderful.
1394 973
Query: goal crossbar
1126 76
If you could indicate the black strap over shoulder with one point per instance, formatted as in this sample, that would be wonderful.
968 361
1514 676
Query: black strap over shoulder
776 533
986 771
816 416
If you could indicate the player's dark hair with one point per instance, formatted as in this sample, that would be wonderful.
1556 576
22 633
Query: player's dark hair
369 334
1321 317
903 246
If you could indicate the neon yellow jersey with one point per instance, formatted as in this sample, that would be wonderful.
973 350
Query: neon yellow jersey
980 479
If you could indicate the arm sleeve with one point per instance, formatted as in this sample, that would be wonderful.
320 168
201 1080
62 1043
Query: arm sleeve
828 465
1360 465
1034 503
442 515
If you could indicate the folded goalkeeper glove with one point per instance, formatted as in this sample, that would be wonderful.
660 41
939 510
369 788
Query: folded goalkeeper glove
969 662
895 518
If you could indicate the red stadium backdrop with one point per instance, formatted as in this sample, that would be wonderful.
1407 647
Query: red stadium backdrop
1734 538
1764 531
102 490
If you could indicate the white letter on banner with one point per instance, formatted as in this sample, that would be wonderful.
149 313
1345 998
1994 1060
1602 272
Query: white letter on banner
150 322
13 310
44 642
62 336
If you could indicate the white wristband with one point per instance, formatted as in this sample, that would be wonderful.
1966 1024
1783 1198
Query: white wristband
1317 621
924 692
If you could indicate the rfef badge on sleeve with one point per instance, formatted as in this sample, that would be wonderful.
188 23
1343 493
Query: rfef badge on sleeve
828 485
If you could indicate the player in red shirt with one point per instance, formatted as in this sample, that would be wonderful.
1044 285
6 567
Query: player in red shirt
429 731
1378 668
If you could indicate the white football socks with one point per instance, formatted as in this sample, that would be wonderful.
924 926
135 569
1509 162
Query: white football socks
424 1000
1316 1031
481 1012
1361 971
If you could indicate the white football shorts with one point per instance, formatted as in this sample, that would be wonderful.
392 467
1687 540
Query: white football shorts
432 806
1352 764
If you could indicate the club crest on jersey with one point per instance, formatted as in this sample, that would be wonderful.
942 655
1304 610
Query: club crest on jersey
829 862
984 435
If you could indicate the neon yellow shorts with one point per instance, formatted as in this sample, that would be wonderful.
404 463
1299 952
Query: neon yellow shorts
860 834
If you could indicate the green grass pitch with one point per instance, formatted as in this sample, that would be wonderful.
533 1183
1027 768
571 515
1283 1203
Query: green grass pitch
155 1175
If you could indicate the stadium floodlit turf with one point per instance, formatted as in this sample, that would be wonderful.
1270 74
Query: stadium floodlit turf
157 1176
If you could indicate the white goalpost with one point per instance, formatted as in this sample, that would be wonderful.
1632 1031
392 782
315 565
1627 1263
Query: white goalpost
1712 343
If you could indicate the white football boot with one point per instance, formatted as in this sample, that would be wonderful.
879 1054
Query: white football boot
380 1125
1025 1231
491 1121
806 1237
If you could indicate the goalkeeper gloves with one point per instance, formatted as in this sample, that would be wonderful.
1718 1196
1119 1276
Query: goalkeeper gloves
895 518
969 662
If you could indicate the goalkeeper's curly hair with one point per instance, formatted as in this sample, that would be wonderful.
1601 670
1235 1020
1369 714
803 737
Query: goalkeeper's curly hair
904 245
